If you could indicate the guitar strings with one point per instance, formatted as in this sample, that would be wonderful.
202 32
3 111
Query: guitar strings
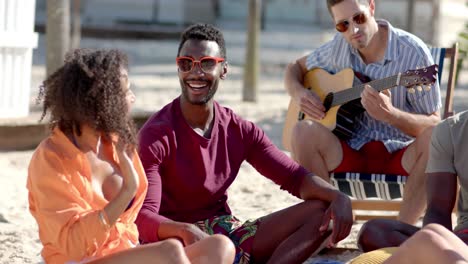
347 95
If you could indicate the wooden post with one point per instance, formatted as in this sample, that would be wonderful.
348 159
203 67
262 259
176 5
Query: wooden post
57 33
263 9
435 32
154 16
76 25
409 17
252 64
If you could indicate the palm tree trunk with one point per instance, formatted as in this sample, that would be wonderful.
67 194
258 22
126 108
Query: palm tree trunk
76 25
409 17
252 64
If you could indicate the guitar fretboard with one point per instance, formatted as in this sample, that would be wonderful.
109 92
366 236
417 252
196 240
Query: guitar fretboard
350 94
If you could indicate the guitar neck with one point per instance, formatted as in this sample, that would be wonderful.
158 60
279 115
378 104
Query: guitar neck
350 94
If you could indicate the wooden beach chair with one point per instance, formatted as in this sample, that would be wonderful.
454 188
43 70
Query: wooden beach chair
377 192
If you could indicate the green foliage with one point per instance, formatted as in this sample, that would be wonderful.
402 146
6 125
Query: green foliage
463 40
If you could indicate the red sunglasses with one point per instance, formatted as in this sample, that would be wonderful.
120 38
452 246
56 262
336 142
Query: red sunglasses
359 19
207 64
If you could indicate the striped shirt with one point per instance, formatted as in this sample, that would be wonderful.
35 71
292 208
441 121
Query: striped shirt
404 52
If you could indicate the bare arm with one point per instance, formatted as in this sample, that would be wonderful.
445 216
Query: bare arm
413 124
441 196
188 233
379 106
314 187
339 210
294 77
308 101
117 206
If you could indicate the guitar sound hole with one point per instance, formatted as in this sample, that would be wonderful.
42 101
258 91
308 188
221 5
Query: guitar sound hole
346 117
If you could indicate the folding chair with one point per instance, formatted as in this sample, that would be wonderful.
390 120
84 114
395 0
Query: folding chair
384 188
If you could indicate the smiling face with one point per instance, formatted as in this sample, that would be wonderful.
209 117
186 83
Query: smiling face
358 35
198 86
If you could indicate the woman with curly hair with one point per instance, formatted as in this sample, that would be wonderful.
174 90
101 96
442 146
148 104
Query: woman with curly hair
86 183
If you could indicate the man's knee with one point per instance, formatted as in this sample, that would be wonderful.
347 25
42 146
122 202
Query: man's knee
432 229
370 232
304 131
223 245
172 249
427 237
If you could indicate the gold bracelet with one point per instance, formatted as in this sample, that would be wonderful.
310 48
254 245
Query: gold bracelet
103 219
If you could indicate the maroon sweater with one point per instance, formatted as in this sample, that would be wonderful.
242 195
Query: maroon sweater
188 174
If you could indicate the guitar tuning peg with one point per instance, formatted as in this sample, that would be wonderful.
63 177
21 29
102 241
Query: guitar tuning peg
411 90
419 88
427 87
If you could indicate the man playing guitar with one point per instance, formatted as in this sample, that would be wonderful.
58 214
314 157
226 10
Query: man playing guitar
392 135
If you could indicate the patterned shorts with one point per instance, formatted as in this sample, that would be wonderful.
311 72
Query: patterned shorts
241 235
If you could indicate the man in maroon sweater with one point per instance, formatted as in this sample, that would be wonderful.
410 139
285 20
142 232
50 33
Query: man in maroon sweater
192 150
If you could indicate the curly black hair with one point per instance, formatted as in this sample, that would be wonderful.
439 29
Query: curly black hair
87 90
203 32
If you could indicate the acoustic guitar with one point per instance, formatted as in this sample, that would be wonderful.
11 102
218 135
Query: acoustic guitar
342 104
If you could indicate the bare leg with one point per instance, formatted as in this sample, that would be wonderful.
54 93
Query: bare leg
290 235
433 244
167 251
214 249
380 233
414 161
316 148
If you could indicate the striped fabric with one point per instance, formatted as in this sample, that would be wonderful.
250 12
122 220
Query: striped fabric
386 187
364 185
405 52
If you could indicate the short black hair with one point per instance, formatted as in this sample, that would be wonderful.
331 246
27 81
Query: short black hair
201 31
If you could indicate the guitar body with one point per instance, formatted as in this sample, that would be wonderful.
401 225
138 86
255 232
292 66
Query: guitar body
322 83
343 104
